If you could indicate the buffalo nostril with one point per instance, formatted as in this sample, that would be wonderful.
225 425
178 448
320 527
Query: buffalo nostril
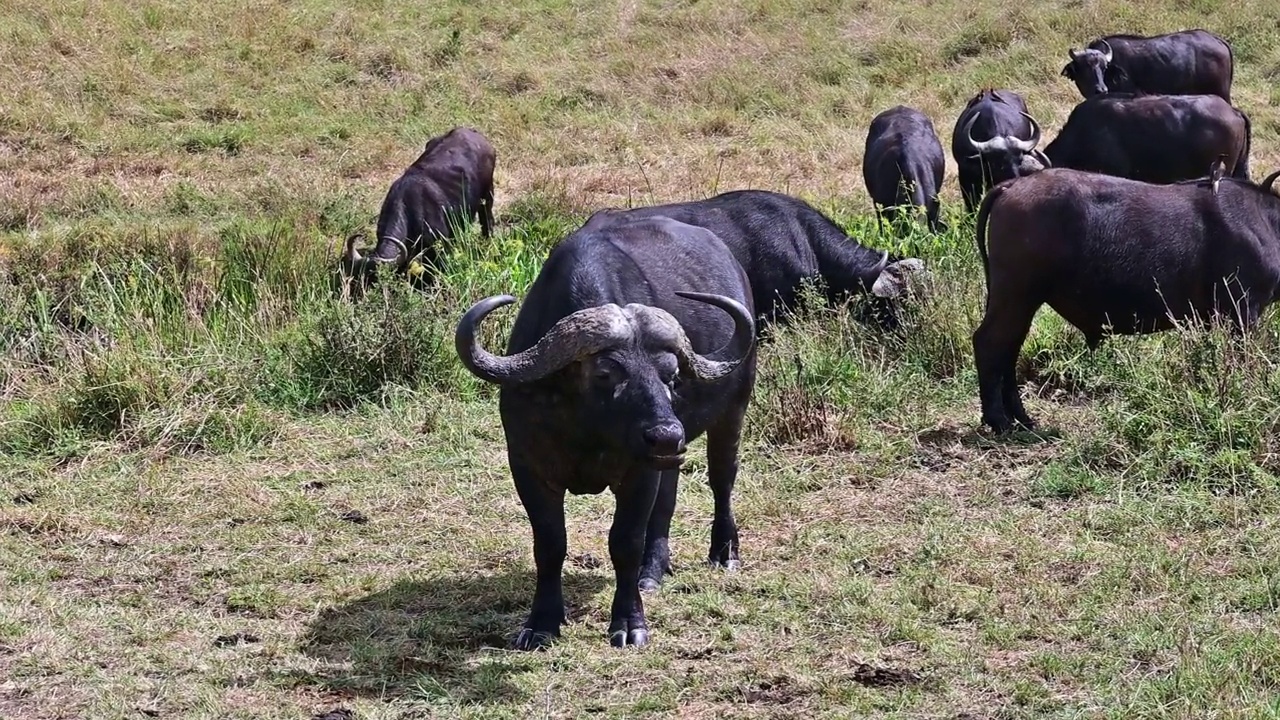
666 439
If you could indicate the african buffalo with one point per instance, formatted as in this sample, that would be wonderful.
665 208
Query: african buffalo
1189 62
635 338
450 183
994 140
1116 256
903 164
1154 138
781 242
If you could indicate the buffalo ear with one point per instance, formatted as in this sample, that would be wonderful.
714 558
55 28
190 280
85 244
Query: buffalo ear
1117 79
1069 71
899 278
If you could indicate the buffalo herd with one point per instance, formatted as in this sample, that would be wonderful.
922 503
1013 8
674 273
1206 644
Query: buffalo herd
639 333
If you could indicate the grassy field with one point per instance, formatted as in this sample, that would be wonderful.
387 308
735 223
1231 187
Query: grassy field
225 493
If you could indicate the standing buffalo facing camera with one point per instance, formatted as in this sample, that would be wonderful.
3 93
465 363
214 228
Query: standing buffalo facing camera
635 338
1189 62
994 140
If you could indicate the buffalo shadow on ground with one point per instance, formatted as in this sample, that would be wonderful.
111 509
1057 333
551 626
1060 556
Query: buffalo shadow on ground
445 638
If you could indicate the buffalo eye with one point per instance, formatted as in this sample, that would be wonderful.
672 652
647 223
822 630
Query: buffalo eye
605 373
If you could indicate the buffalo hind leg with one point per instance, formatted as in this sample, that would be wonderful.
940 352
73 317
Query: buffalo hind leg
634 504
545 508
657 540
996 344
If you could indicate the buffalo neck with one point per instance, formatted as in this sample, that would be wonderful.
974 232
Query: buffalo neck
844 264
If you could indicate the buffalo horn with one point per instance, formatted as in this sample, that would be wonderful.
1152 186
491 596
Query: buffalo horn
1106 54
659 326
575 336
1027 146
1270 181
978 147
353 255
592 330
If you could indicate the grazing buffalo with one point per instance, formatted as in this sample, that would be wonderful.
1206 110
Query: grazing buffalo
903 164
1154 138
1116 256
450 183
1190 62
635 338
781 242
994 140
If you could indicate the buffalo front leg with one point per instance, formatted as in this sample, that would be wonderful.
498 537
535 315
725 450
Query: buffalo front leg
634 504
657 541
932 211
545 508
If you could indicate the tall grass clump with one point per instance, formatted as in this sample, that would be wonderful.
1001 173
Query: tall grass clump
1197 406
348 353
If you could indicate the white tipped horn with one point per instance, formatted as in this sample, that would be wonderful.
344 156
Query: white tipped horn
978 147
352 254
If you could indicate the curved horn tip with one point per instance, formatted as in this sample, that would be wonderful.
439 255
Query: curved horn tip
479 309
352 253
1106 55
464 335
978 147
1269 182
1030 143
705 369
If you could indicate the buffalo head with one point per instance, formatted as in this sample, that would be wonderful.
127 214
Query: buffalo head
1007 156
621 368
1093 72
358 268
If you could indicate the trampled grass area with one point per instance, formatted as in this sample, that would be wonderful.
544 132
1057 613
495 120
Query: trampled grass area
226 493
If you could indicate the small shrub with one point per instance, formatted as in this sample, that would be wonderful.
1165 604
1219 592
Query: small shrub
353 350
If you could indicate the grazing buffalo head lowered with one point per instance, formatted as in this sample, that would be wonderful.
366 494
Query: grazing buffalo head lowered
359 269
622 367
1092 71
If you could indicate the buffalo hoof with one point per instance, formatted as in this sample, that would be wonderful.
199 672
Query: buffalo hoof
730 565
652 575
628 635
530 639
999 426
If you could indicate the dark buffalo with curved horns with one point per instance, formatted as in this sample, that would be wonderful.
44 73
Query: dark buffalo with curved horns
635 338
903 164
782 242
1188 62
994 140
1116 256
1153 138
450 183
